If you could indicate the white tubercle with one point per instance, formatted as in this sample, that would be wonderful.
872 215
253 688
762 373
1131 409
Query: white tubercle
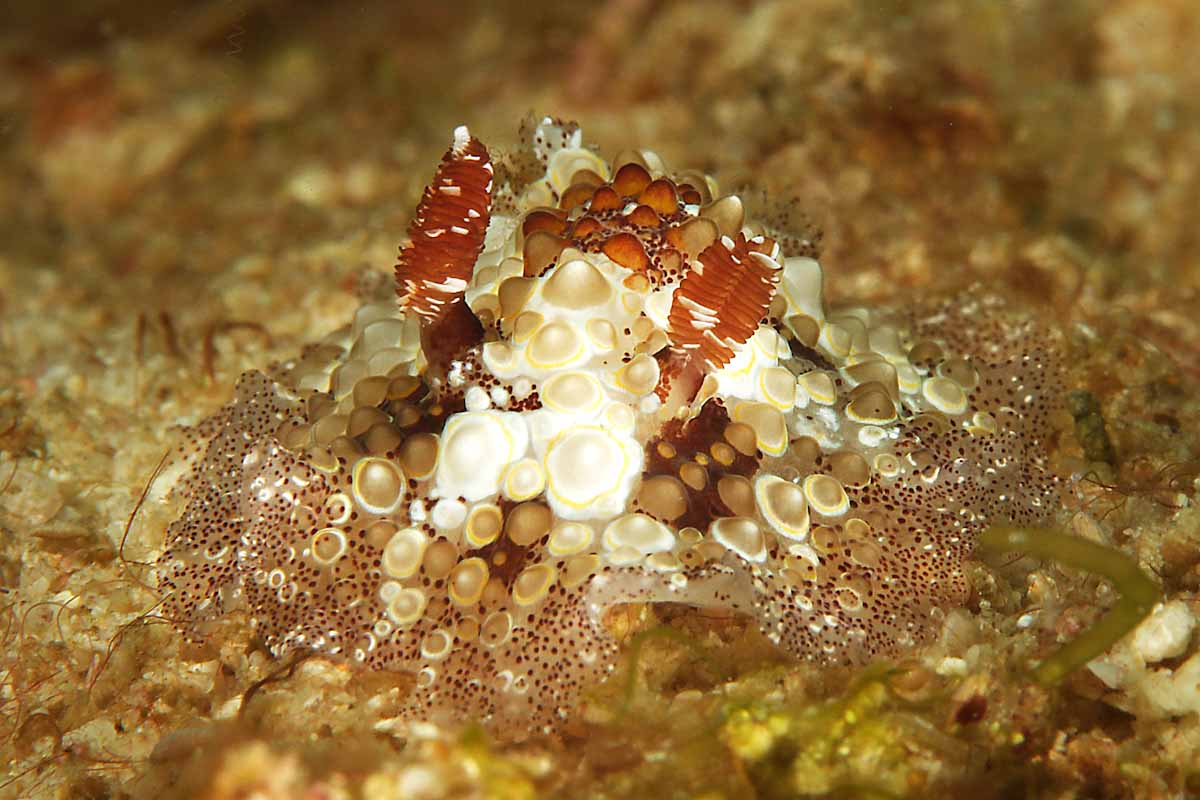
475 450
590 472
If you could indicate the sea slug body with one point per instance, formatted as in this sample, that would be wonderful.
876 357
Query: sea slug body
601 383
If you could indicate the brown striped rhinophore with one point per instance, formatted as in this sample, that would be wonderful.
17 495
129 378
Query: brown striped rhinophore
446 234
723 298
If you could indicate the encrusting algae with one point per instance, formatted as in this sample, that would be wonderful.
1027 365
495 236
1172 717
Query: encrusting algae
603 384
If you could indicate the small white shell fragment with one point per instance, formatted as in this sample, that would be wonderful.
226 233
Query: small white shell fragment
1165 633
952 667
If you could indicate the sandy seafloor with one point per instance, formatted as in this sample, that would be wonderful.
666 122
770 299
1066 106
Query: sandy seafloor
188 190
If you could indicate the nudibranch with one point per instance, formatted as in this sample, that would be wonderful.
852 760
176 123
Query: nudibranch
601 383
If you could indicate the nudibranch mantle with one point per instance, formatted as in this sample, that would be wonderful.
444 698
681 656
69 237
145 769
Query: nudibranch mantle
601 383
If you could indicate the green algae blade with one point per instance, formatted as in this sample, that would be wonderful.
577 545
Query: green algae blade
1138 591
